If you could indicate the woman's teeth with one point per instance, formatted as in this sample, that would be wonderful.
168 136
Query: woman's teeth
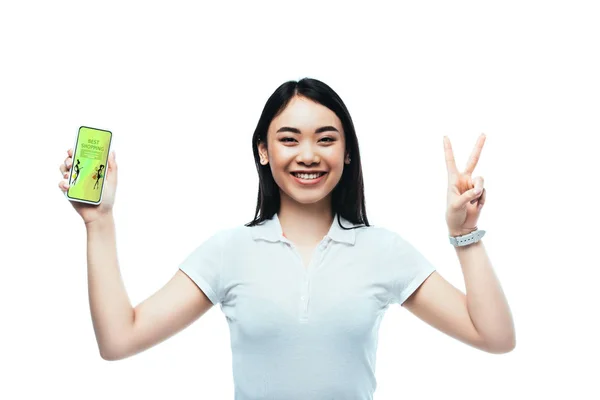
308 176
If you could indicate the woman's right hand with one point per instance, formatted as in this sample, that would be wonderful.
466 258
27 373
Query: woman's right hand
91 212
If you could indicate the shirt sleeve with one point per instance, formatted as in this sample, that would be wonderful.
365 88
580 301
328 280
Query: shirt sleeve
204 266
409 268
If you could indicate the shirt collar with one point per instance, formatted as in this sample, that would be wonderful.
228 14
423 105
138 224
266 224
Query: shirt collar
271 230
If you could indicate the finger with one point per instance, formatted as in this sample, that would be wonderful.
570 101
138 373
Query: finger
63 185
478 183
468 197
450 162
477 191
70 152
112 163
475 154
481 201
65 167
112 166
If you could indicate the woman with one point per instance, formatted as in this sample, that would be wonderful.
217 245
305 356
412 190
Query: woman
77 172
98 175
305 284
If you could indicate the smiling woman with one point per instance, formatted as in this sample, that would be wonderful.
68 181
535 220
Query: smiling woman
310 159
304 286
300 135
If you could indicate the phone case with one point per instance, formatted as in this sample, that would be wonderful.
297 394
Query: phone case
90 162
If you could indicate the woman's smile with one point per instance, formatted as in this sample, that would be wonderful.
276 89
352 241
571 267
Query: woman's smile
308 179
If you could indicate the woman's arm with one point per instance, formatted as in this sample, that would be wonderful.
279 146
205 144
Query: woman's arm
122 331
481 318
486 302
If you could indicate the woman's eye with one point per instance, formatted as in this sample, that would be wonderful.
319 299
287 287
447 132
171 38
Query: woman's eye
290 139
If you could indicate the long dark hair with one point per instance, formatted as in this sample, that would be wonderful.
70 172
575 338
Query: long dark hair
348 197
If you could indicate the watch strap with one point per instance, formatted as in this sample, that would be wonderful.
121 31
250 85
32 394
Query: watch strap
467 239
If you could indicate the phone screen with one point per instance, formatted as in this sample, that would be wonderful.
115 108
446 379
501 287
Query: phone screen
90 162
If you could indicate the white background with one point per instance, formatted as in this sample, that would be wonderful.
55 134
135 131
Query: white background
181 86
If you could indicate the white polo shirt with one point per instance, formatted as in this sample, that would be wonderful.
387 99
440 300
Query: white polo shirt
305 333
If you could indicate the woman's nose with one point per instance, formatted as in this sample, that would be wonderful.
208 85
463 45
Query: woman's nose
307 155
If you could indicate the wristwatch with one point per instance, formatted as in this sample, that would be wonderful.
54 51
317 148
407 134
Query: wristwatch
467 239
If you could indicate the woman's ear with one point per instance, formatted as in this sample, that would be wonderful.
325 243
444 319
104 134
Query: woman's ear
347 160
262 152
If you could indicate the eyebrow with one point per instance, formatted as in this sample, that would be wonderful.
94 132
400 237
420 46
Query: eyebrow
296 130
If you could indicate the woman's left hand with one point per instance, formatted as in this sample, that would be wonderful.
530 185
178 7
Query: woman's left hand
464 202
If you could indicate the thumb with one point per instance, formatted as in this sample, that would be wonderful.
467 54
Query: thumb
467 197
112 166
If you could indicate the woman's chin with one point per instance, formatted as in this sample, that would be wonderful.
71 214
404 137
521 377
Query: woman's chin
306 198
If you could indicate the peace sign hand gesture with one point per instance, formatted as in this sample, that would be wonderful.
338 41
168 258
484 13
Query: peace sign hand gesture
466 195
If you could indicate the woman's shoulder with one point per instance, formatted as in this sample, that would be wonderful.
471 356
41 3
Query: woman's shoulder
233 234
372 229
380 234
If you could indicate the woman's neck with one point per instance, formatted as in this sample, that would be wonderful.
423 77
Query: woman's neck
305 224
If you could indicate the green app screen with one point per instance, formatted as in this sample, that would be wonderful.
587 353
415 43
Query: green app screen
89 164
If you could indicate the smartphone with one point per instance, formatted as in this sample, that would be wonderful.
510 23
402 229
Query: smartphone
90 162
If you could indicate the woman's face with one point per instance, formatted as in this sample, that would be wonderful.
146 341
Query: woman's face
306 136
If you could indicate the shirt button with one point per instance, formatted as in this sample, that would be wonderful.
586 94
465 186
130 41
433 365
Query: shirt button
302 298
